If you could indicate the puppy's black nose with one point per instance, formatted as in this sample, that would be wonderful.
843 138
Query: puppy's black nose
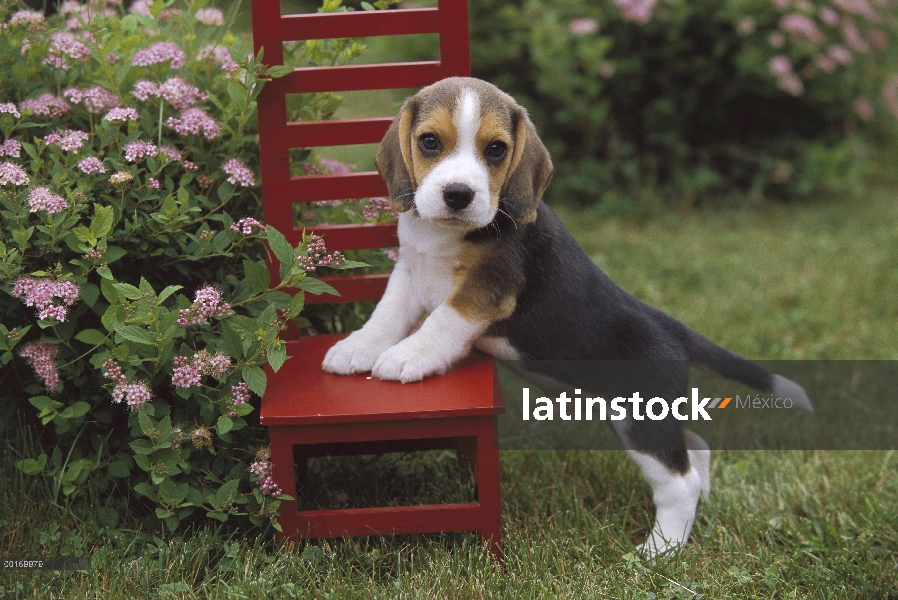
457 195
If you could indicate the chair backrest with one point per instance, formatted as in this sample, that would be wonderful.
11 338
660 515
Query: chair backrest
280 190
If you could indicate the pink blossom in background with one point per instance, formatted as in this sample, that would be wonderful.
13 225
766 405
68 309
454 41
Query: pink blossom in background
776 39
180 94
11 148
376 208
825 63
607 69
41 198
247 224
801 27
141 7
864 108
878 38
890 94
335 166
791 84
780 65
50 297
583 26
71 140
158 53
210 16
241 396
207 304
238 173
45 105
392 255
853 38
153 183
170 153
829 16
144 89
189 373
746 26
135 395
26 17
860 8
220 55
9 108
781 4
195 121
185 375
135 151
64 44
42 358
95 99
840 54
113 58
12 173
639 11
120 115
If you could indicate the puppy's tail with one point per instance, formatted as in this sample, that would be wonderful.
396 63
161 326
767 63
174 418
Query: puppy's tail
732 366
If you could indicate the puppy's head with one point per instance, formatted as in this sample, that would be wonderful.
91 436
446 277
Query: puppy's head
459 151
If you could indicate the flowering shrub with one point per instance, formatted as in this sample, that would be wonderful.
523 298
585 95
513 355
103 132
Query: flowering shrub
697 99
137 309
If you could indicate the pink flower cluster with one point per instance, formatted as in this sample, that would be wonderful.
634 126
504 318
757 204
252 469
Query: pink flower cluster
207 304
91 164
318 256
95 99
45 105
335 166
189 373
180 94
42 358
120 115
9 108
639 11
170 153
238 173
195 121
159 53
136 151
377 208
26 17
210 16
41 198
64 45
246 225
583 26
12 173
786 79
51 298
69 140
220 55
241 396
135 395
261 468
12 148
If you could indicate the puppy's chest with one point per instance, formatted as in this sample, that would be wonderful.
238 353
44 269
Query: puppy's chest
432 257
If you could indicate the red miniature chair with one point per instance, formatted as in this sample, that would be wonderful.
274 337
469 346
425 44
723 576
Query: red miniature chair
312 413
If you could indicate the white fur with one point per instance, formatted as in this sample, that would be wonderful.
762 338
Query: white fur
464 165
786 388
676 497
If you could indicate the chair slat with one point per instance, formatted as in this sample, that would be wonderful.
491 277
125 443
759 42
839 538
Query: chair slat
321 26
308 134
352 288
307 80
350 237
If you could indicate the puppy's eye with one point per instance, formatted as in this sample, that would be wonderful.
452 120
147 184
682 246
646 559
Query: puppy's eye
428 143
496 150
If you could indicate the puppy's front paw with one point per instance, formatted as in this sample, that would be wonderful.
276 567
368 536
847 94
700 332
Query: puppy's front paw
355 354
408 362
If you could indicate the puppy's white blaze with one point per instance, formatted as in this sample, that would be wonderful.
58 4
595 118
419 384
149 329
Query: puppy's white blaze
786 388
462 166
675 496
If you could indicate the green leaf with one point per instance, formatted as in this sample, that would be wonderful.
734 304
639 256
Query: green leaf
224 424
256 379
145 489
232 341
146 423
142 446
102 222
139 335
113 253
128 291
90 293
296 304
282 249
367 6
227 490
85 235
110 318
119 468
92 337
351 264
257 276
105 273
78 409
168 291
279 71
44 402
317 287
215 514
29 466
277 354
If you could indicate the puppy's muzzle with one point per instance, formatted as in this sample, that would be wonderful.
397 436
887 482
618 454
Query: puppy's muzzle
457 196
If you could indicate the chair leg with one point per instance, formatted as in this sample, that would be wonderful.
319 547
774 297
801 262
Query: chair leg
283 473
488 489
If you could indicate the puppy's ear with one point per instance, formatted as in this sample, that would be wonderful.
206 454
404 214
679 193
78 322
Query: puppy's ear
529 173
394 158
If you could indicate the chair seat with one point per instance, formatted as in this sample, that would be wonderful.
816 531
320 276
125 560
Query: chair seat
300 393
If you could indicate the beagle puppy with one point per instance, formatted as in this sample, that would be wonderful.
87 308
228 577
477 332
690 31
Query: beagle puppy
494 269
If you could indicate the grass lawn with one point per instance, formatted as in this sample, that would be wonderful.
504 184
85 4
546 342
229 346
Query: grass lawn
809 281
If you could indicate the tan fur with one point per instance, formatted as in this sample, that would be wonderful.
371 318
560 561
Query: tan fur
441 124
474 297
